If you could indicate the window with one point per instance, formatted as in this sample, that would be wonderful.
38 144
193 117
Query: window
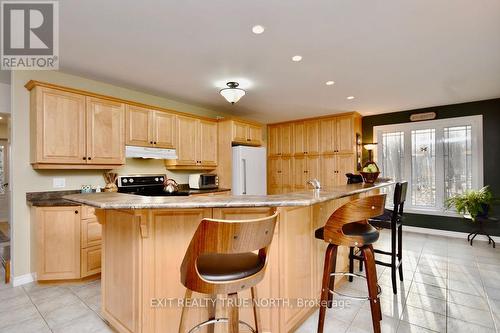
438 158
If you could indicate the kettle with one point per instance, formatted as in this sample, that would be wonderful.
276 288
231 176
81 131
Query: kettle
170 186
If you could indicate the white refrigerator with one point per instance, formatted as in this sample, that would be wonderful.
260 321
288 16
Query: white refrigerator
249 170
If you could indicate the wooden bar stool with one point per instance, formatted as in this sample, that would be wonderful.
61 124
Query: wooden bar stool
393 220
221 260
348 226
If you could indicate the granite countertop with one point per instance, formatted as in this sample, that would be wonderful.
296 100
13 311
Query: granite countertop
50 198
305 198
55 198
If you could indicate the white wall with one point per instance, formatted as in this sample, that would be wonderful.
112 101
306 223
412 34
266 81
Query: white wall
25 179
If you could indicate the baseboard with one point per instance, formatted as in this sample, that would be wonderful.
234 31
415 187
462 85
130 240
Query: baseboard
23 279
446 233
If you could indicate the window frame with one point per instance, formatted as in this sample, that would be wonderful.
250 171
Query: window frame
476 123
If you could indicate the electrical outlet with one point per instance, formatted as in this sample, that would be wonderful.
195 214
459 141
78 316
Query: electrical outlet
58 182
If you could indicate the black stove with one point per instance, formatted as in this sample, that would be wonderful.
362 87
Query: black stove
147 185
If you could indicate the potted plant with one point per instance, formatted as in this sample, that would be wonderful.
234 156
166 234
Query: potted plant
473 203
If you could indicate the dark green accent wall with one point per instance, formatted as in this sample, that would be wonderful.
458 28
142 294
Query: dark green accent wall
490 110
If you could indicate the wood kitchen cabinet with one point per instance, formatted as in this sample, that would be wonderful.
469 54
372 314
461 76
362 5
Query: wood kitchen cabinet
105 132
196 144
280 173
149 128
322 148
246 133
74 131
281 140
306 137
68 242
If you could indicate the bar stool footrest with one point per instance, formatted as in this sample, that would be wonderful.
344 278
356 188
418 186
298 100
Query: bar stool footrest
359 298
219 321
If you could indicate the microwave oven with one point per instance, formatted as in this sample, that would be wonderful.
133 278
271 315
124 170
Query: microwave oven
203 181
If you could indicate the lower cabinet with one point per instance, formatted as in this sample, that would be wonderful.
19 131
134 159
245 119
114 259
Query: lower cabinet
68 242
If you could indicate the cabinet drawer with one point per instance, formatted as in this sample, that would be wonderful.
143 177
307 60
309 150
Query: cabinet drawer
91 261
91 233
88 212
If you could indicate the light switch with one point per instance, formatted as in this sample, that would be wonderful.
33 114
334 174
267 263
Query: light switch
58 182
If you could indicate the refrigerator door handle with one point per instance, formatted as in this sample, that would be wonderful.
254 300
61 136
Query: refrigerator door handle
244 165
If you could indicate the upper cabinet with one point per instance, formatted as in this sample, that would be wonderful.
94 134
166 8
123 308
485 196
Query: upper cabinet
306 137
196 144
73 131
281 140
149 128
246 133
105 132
338 135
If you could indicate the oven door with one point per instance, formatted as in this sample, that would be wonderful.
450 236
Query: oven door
208 181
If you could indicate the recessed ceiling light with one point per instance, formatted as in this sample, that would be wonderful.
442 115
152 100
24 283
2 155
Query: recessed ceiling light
330 83
297 58
350 97
258 29
1 118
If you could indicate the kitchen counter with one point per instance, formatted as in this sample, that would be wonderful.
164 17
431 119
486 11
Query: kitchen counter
55 198
145 240
305 198
50 198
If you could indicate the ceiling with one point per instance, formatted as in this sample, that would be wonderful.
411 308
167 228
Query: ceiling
390 54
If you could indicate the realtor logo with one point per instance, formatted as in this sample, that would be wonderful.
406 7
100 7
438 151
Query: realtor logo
30 35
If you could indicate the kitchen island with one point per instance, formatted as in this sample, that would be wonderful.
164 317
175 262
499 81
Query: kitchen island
145 238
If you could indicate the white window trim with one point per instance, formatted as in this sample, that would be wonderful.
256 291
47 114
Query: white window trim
477 162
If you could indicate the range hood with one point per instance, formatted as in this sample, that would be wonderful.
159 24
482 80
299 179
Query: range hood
146 152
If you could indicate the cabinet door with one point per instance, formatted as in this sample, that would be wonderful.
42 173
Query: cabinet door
163 129
57 242
286 175
187 140
91 261
313 167
312 137
105 132
287 139
91 233
344 164
275 180
299 172
207 154
254 135
138 126
240 132
60 127
327 136
345 135
299 138
274 139
328 176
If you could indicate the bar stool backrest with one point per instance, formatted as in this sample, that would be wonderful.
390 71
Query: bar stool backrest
399 198
215 236
359 210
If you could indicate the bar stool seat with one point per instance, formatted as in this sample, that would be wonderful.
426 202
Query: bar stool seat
368 233
228 267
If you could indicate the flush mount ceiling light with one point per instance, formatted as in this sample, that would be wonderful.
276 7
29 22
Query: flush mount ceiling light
297 58
258 29
232 94
350 97
330 83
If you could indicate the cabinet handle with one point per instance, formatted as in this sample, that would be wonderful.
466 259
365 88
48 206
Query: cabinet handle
89 158
150 142
154 142
76 212
84 158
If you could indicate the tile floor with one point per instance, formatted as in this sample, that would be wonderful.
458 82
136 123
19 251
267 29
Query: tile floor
448 286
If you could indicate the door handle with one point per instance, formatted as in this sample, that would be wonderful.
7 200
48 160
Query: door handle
244 164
